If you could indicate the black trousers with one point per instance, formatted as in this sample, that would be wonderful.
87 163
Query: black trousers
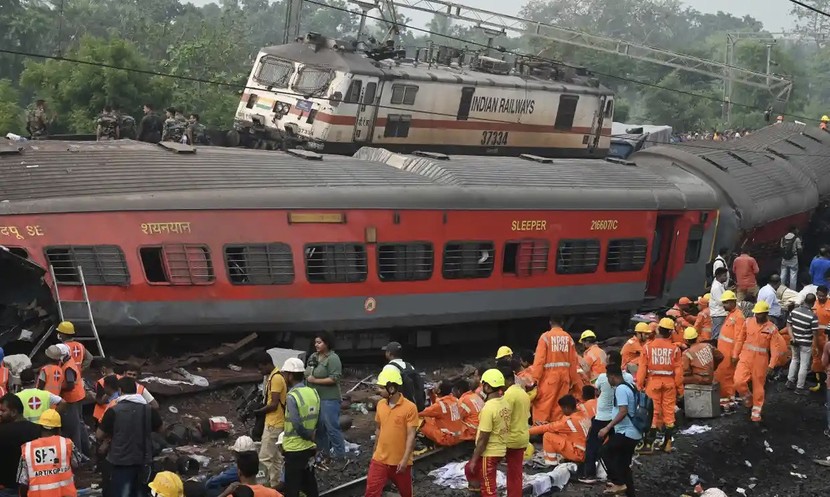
299 475
592 446
617 455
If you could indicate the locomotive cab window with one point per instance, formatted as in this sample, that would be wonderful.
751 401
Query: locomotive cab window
405 261
177 264
404 94
468 260
260 264
335 263
274 72
566 113
695 244
101 264
627 254
577 256
397 126
525 257
353 95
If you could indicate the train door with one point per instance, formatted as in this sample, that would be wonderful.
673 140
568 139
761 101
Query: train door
366 110
665 234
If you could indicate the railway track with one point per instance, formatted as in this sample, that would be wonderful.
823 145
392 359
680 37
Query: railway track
436 457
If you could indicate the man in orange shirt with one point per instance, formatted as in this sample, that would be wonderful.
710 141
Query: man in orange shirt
725 373
661 375
753 359
588 406
554 370
822 310
397 420
595 357
699 360
471 405
442 420
633 347
247 465
703 323
683 316
745 269
566 438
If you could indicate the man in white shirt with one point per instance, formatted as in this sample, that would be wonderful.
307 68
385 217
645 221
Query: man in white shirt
720 262
716 310
768 294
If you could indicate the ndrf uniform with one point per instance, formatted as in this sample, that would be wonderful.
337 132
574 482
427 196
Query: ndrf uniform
555 371
660 373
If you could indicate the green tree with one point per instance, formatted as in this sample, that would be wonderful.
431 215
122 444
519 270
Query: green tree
11 115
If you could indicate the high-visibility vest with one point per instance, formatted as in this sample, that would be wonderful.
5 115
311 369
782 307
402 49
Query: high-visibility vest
54 378
48 463
35 402
308 405
99 414
77 393
99 410
77 351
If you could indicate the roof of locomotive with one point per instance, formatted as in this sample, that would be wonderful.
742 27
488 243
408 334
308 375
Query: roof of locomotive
773 173
357 63
56 176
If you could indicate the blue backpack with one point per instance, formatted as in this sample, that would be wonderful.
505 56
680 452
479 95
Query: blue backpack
643 411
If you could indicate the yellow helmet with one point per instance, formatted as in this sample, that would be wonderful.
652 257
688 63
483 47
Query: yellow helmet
167 484
690 333
707 296
825 119
760 307
728 295
390 375
66 327
529 451
504 351
587 334
667 323
50 419
641 327
493 377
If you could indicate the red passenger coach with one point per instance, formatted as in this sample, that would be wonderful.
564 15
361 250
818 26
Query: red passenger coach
219 240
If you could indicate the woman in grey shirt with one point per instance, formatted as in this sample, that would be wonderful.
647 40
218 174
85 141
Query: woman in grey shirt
323 372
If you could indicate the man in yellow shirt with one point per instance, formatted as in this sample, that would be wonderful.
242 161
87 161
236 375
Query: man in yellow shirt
518 434
274 411
491 439
397 420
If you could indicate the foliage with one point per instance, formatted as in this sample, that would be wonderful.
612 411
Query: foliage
11 115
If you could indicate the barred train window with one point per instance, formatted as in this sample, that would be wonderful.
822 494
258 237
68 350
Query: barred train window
335 263
577 256
101 264
695 244
525 257
467 260
274 72
405 261
177 264
260 264
628 254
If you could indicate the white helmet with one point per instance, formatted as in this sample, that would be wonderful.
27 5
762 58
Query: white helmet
293 365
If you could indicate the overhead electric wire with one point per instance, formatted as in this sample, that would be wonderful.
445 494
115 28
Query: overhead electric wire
810 7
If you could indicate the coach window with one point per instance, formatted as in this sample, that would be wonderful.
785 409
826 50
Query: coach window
101 264
369 94
397 126
177 264
353 95
405 261
627 254
566 113
335 263
404 94
260 264
695 244
467 260
577 256
525 257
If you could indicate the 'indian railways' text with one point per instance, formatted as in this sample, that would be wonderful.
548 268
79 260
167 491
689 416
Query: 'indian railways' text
502 105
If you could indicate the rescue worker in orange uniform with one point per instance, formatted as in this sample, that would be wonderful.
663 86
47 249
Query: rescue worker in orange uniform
50 377
633 347
822 310
595 357
660 373
4 374
79 353
554 370
504 356
46 463
110 392
71 390
588 406
524 377
441 422
471 404
565 439
752 356
725 372
683 316
703 322
700 360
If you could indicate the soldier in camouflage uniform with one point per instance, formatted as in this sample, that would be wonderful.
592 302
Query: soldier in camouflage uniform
38 121
174 129
126 125
108 128
196 131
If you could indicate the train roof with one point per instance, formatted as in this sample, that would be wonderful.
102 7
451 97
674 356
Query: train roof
357 63
56 176
771 174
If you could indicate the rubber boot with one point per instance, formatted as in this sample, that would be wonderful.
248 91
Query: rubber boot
645 446
818 384
667 445
659 441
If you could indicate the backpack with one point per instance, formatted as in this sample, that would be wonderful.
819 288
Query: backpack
413 385
643 410
789 247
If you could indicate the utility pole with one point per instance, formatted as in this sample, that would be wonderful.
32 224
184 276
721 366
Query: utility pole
293 10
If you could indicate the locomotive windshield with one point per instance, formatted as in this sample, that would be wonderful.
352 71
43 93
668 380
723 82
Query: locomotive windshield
274 72
312 80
